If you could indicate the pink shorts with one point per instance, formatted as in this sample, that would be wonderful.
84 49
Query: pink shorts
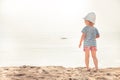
90 48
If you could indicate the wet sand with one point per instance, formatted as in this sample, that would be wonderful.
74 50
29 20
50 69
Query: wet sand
57 73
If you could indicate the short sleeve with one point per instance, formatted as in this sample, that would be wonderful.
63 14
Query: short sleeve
97 32
84 30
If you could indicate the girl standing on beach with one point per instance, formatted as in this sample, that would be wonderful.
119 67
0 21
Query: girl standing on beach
89 35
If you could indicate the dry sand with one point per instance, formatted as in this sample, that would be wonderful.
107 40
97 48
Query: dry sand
57 73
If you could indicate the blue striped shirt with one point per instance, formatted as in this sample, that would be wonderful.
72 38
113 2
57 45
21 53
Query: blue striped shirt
90 35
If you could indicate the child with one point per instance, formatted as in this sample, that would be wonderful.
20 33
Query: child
89 35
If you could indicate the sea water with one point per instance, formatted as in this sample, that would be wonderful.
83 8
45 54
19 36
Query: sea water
56 49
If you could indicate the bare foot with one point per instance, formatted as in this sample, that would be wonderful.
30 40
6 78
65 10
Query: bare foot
88 69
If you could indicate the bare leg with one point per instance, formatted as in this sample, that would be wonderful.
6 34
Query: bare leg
95 60
87 58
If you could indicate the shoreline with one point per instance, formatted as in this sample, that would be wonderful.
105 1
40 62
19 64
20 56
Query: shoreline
57 73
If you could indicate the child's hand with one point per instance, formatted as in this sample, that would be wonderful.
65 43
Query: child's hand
80 45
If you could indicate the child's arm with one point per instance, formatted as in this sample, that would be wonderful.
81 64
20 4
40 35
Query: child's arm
81 40
97 36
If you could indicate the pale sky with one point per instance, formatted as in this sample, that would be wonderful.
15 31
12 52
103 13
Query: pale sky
57 15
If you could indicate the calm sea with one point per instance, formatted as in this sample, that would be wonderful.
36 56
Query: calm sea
56 49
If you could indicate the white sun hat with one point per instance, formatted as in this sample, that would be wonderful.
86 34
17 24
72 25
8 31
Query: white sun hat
90 17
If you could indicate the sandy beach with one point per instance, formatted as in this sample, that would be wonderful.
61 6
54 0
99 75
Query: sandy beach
57 73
